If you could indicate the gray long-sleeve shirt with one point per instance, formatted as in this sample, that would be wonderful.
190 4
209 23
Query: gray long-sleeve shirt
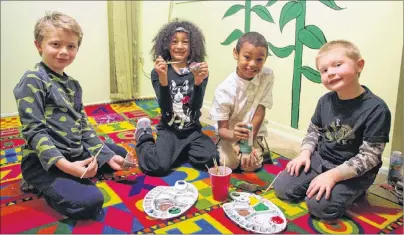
54 124
350 133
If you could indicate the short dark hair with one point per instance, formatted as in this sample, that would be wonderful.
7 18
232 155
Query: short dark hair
254 38
161 42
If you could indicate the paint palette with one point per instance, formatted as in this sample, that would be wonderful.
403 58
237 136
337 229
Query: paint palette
166 202
253 214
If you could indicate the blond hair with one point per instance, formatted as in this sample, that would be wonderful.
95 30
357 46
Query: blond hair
350 50
57 20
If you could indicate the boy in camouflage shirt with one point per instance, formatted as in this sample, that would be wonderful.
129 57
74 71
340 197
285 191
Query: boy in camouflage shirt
60 142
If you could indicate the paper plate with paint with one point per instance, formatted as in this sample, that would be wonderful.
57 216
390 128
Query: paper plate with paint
253 214
166 202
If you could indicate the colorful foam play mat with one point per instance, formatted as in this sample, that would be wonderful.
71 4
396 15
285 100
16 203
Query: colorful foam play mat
125 193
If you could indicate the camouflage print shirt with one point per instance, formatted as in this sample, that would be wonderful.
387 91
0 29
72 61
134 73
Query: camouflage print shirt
54 124
350 133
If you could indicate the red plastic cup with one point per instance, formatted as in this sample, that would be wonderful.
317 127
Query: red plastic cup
220 181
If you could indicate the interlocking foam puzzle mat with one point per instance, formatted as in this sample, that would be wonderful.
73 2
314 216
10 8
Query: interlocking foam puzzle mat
124 191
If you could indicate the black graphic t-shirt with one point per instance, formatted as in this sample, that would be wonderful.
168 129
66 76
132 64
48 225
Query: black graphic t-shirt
345 124
180 102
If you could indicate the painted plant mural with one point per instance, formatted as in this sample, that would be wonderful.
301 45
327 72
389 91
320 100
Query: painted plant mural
310 36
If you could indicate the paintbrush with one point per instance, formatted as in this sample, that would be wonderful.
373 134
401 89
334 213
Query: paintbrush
207 167
216 166
95 159
224 166
174 62
266 190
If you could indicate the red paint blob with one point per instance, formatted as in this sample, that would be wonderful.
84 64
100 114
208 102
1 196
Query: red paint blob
277 220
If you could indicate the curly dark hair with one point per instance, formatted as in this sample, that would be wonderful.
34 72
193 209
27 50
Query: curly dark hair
254 38
161 42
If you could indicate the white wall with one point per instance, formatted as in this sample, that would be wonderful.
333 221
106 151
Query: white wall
376 27
18 53
153 15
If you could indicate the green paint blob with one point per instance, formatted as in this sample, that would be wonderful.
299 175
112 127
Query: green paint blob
28 110
174 210
62 119
261 207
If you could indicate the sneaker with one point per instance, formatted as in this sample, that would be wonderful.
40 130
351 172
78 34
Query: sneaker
27 188
143 127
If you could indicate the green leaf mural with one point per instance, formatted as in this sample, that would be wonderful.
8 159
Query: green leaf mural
290 11
270 3
311 74
281 52
312 37
233 10
331 4
260 10
263 13
236 34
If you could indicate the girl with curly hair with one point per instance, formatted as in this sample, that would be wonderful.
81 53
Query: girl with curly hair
179 79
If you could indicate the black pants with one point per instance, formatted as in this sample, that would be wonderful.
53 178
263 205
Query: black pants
344 193
170 150
67 194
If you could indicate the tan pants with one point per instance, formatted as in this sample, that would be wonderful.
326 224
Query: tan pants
233 159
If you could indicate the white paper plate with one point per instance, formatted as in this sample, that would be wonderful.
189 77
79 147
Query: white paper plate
248 212
166 202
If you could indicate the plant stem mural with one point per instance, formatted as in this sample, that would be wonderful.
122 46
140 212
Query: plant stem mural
310 36
260 10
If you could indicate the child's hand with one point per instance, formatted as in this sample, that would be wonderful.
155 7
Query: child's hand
249 160
116 162
293 167
201 73
80 167
240 131
161 68
323 183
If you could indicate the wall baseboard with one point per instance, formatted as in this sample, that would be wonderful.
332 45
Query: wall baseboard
285 140
9 114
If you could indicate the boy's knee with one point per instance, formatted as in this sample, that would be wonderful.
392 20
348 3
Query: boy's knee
232 161
163 170
231 165
157 170
325 209
87 206
283 191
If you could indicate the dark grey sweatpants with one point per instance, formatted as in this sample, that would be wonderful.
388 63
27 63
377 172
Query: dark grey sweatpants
67 194
171 149
344 193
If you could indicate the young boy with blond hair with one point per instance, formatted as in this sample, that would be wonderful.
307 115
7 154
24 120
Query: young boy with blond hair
60 144
342 150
